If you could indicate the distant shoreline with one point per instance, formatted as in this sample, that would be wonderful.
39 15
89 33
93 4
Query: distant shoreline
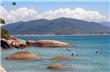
66 35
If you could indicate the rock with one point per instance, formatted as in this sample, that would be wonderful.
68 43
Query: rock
2 69
60 58
23 55
48 43
4 44
17 43
13 43
55 66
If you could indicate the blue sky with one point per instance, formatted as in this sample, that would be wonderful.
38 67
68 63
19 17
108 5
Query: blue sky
101 6
25 10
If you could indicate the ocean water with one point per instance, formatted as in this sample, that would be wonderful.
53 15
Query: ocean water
86 61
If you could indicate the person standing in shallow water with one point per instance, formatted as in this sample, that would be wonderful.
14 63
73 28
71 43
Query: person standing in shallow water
75 54
97 52
72 54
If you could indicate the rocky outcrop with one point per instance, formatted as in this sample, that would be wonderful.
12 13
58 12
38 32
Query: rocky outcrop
13 43
48 43
55 66
2 69
23 55
19 43
4 44
60 58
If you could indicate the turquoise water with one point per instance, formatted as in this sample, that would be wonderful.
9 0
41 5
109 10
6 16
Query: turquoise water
86 61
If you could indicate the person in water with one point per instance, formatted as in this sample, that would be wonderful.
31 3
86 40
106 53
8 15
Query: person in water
75 54
72 54
97 51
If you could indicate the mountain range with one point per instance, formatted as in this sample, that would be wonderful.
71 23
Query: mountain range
105 23
59 26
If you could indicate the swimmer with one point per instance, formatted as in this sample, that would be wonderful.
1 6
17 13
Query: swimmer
97 52
72 54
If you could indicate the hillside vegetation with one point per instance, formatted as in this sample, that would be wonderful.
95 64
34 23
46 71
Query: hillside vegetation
5 34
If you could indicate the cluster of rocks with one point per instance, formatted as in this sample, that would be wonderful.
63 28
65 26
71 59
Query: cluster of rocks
24 55
13 43
19 43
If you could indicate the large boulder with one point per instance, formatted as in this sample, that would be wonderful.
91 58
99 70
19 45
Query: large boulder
55 66
13 43
2 69
60 58
17 43
23 55
48 43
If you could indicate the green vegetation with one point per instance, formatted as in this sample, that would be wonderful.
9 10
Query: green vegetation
5 34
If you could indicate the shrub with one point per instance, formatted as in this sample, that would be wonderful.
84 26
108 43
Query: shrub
5 34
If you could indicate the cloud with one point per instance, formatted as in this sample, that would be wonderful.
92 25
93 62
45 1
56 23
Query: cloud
20 14
78 13
26 14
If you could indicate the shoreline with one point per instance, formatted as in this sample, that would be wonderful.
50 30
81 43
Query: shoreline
68 35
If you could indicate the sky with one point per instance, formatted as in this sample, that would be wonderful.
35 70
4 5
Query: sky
89 10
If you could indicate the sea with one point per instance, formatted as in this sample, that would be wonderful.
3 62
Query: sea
91 54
